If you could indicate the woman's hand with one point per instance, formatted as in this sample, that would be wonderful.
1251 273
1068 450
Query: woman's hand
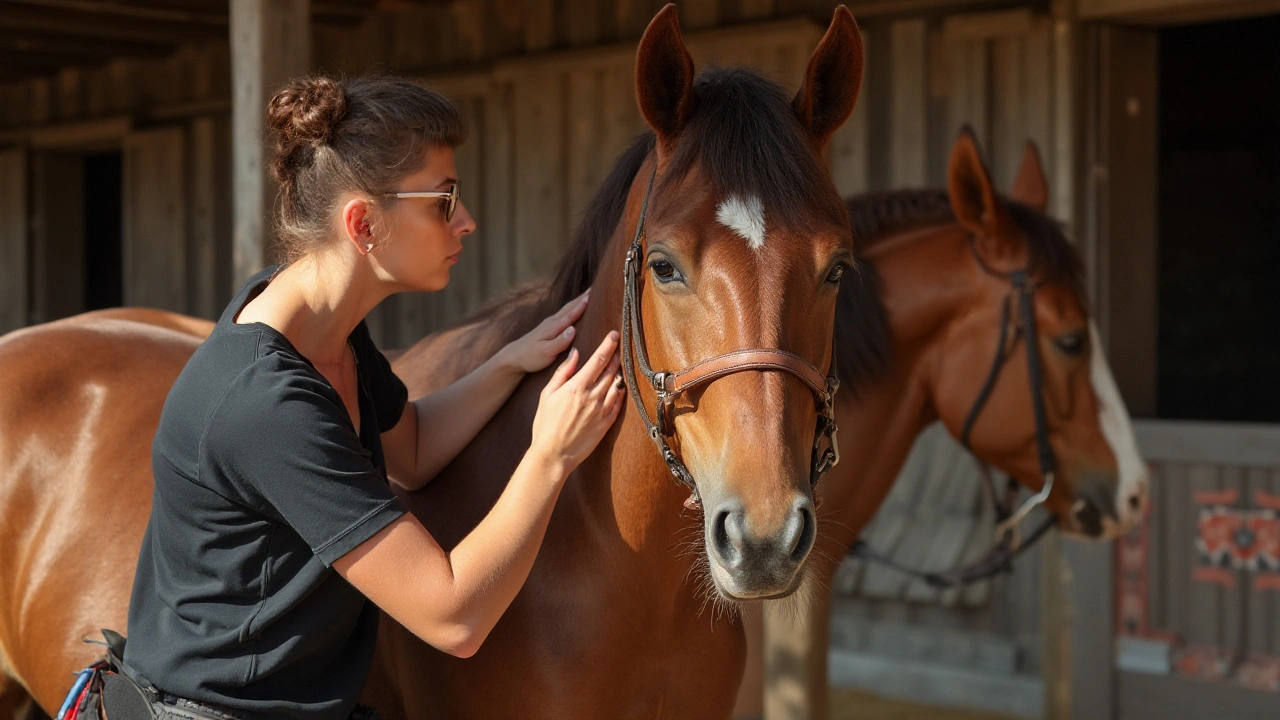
576 410
545 342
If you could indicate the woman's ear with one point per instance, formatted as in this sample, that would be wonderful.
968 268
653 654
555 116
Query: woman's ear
357 224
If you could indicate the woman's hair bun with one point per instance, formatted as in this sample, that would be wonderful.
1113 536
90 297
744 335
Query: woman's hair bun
307 109
304 113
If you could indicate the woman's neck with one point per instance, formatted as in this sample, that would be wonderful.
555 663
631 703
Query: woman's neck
316 302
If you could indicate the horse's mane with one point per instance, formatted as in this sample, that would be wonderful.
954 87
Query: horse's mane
863 332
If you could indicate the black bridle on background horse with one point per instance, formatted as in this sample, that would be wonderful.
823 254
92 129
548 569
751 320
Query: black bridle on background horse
999 558
669 385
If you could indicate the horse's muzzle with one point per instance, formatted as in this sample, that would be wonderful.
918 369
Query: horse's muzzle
747 564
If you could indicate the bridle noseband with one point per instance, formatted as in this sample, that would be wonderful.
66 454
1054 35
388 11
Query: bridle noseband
670 385
1009 545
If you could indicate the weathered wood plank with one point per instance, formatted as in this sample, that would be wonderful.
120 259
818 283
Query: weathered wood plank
1233 630
154 252
13 239
498 207
1179 552
203 179
1157 518
698 14
539 24
586 156
468 282
57 249
1038 93
469 22
1009 105
1205 600
541 227
755 9
908 103
969 102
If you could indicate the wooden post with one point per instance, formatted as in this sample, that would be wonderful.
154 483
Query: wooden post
270 43
13 239
795 656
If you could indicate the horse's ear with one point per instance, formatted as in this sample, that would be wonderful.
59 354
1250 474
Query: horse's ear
973 198
664 77
832 80
1031 188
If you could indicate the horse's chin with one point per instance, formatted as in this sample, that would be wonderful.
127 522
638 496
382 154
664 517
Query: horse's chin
731 590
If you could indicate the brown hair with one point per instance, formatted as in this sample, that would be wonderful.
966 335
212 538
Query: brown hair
351 135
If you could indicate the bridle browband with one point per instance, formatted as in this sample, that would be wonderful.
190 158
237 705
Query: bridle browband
669 385
1009 545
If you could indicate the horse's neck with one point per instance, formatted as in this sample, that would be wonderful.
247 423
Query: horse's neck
922 288
624 490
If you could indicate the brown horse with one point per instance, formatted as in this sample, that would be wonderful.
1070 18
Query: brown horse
942 262
745 241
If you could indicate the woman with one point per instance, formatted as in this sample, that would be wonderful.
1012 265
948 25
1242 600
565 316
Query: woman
274 537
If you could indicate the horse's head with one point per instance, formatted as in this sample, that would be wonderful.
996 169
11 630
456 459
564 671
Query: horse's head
745 239
1100 480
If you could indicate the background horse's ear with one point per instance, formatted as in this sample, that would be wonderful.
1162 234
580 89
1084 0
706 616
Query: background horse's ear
1031 188
832 80
664 77
974 200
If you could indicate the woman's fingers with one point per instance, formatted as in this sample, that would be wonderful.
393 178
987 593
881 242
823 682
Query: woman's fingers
563 373
613 396
598 362
566 316
607 378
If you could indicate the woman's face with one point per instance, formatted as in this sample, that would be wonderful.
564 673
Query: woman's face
422 246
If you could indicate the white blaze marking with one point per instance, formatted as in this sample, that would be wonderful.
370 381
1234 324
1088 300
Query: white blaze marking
1116 427
745 217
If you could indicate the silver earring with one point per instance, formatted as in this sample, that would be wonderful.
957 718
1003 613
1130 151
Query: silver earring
368 248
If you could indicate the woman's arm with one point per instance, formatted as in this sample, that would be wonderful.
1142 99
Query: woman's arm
452 600
434 428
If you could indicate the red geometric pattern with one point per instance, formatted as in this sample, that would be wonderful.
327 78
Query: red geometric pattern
1229 540
1205 662
1260 672
1239 539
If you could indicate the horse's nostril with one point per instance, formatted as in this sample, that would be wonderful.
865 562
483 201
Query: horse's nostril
727 537
1135 502
1088 517
804 539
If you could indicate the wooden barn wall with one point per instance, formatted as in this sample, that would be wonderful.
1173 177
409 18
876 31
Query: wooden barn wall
169 120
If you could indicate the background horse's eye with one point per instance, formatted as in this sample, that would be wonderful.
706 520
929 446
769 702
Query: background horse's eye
836 273
664 270
1071 344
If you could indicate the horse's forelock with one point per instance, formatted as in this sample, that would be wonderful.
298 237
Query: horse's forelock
746 141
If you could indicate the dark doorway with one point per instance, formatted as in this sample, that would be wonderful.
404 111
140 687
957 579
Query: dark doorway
1219 222
103 231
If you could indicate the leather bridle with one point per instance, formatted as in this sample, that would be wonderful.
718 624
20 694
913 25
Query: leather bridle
1009 544
670 385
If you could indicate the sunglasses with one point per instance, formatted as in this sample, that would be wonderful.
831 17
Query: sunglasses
450 198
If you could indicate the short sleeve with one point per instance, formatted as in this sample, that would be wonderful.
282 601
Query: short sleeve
385 388
280 441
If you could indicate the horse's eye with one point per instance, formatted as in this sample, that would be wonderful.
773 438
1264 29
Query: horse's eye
1071 344
836 273
665 271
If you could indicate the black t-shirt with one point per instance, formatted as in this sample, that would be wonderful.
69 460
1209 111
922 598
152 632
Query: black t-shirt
260 485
